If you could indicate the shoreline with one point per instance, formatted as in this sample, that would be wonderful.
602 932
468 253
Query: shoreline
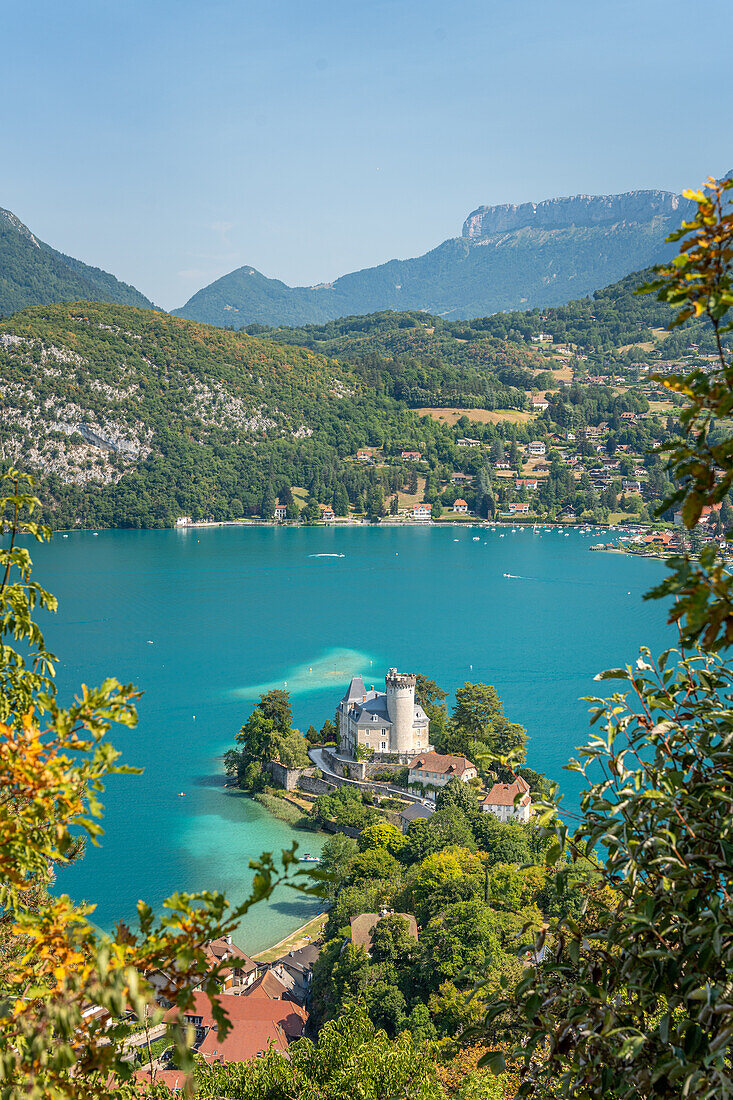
297 939
475 524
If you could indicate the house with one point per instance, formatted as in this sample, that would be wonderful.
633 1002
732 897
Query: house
526 483
389 723
411 456
659 538
517 508
362 927
415 812
364 456
460 506
468 442
538 405
433 770
294 971
537 449
628 415
631 486
500 801
542 338
422 511
184 521
281 512
328 515
502 466
256 1024
459 478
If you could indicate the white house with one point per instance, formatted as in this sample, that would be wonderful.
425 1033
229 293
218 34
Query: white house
422 511
281 512
500 801
433 770
460 506
537 449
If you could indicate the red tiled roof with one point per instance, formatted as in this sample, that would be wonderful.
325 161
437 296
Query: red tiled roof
255 1022
436 762
503 794
460 503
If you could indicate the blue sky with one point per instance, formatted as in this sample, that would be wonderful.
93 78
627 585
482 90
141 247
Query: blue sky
172 141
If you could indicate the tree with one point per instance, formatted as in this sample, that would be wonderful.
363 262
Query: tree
312 512
340 500
275 706
633 998
392 941
267 503
353 1059
458 795
53 962
432 699
381 835
336 855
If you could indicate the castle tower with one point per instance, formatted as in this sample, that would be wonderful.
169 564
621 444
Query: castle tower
401 709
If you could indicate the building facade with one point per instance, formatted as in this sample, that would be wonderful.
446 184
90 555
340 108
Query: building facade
388 723
500 801
431 771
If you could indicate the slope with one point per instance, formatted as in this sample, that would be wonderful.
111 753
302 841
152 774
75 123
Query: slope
33 273
508 257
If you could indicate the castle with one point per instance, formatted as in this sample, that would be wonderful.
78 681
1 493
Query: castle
388 723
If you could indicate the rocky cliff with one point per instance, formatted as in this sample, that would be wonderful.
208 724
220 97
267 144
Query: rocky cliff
579 211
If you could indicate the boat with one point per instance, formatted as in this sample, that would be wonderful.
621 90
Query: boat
308 858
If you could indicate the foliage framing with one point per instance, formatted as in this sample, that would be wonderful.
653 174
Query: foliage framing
54 965
633 1000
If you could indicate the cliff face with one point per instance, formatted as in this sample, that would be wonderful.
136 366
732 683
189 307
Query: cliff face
580 212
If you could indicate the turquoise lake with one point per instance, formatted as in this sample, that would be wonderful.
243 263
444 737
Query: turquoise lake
203 620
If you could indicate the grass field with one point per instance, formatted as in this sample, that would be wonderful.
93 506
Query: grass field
479 416
299 938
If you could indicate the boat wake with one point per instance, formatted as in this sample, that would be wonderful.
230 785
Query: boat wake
327 555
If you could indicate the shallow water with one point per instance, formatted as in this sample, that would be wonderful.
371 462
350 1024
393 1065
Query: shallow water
203 621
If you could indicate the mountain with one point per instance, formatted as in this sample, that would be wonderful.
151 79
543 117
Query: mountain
33 273
507 258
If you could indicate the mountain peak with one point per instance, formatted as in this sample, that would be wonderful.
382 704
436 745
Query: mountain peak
19 226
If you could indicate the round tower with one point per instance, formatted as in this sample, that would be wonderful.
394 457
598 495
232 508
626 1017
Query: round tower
401 709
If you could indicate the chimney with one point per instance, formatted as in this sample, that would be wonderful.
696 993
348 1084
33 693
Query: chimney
229 940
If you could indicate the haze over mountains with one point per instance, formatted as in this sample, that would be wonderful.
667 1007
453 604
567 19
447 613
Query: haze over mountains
32 273
507 257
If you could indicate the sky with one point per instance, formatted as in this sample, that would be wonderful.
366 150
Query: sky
171 141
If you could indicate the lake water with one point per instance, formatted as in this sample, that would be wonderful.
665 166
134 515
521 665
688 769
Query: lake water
203 620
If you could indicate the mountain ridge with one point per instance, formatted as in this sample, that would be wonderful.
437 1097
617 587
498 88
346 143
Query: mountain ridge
507 257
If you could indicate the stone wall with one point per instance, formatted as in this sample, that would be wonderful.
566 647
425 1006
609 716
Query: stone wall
309 782
287 778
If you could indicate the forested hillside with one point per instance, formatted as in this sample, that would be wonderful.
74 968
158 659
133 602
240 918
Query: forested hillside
33 273
133 417
613 317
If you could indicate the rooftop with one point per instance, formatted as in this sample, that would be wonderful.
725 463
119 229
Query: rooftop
443 765
503 794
